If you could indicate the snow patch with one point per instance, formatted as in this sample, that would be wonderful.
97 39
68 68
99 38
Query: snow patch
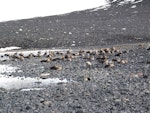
108 4
135 2
129 1
29 83
9 48
105 7
23 83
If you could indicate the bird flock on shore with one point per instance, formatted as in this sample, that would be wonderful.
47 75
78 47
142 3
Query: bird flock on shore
106 56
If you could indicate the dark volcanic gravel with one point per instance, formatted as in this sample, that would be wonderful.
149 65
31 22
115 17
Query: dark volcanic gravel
117 25
93 87
107 66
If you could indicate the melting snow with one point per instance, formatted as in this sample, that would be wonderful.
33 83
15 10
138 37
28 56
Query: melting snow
9 48
28 83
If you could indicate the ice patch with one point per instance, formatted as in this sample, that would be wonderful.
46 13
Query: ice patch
31 89
9 48
22 83
29 83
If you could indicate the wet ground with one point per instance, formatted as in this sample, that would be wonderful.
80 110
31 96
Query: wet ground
99 60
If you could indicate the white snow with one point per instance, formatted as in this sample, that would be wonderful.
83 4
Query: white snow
129 1
135 2
31 89
9 48
107 5
10 82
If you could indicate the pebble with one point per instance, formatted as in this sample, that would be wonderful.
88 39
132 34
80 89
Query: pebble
70 33
88 64
47 103
20 29
87 79
44 75
123 61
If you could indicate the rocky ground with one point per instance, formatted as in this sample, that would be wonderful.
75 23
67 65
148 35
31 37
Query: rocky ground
106 64
114 79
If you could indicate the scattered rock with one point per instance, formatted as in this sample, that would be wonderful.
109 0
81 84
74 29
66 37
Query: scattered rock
20 29
70 33
44 75
88 64
123 61
87 79
47 103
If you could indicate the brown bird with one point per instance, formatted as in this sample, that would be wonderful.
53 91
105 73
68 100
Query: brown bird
39 54
30 55
46 60
56 67
21 58
110 65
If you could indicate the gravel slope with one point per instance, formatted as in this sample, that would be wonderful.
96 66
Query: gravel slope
117 25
